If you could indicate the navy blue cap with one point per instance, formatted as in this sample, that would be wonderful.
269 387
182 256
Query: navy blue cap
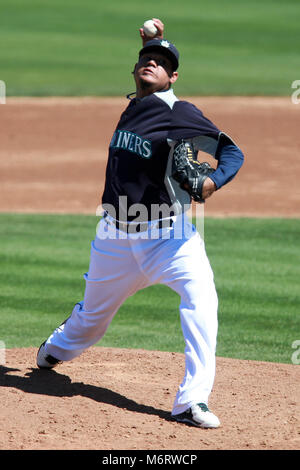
163 47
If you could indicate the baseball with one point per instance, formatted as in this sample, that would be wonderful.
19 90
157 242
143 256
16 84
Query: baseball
149 28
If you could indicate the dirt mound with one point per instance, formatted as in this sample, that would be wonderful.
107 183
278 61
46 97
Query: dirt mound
121 399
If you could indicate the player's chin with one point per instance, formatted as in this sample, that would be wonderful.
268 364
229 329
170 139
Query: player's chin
148 78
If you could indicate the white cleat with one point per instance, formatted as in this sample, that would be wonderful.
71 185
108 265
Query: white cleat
44 360
198 415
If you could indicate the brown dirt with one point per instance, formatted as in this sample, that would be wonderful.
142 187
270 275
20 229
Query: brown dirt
52 159
120 399
53 154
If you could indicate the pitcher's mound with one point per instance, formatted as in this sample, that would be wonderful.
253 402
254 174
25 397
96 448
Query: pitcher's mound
121 399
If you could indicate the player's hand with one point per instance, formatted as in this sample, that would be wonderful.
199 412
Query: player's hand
209 187
160 31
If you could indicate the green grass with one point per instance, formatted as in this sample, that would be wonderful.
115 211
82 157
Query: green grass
256 264
257 271
231 47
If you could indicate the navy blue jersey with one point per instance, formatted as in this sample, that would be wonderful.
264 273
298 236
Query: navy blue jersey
139 148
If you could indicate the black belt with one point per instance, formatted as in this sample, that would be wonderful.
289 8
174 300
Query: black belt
137 227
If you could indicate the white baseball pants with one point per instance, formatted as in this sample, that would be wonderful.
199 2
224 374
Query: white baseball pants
119 268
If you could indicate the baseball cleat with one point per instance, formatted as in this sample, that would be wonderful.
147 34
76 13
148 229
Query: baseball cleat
44 360
198 415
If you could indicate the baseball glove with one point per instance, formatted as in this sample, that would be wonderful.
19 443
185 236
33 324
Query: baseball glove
190 173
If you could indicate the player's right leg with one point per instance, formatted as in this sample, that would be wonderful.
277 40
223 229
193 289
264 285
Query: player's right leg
113 276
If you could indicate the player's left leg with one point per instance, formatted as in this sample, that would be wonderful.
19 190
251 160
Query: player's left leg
198 314
182 264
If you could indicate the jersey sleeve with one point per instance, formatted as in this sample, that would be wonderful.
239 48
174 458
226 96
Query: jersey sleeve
230 159
188 122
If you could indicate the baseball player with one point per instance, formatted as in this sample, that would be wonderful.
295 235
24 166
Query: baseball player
145 236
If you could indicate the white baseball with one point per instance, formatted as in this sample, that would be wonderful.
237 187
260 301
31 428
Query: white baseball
149 28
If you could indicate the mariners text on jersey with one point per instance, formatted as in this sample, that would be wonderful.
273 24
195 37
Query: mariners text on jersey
137 165
127 140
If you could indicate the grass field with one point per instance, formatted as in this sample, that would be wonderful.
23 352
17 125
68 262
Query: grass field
256 264
88 48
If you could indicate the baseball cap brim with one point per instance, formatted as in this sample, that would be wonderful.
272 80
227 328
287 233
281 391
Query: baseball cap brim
163 47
